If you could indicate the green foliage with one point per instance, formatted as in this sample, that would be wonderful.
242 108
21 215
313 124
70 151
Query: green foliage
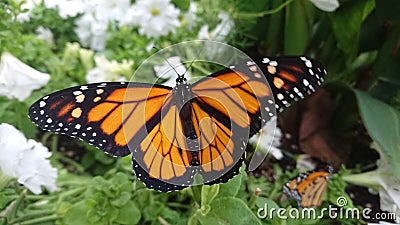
105 201
346 24
298 27
383 125
221 205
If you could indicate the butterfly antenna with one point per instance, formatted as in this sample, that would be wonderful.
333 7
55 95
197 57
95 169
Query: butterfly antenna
195 58
169 63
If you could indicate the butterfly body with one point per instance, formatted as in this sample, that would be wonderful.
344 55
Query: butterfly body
174 133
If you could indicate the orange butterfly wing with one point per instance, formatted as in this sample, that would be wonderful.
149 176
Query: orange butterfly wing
97 113
231 102
162 161
225 111
308 189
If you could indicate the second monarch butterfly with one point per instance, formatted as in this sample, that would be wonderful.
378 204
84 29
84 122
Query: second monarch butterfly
308 189
173 133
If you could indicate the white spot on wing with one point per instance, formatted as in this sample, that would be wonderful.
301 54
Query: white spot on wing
266 60
308 63
273 63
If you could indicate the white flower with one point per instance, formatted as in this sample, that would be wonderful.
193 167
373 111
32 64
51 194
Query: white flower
269 139
326 5
109 70
112 10
220 32
305 163
155 18
66 8
150 46
165 71
204 33
383 181
189 17
91 31
18 80
45 34
26 160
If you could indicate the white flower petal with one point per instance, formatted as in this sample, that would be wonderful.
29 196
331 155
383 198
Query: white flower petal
45 34
65 8
190 16
91 31
203 33
268 139
18 80
326 5
155 18
26 160
106 70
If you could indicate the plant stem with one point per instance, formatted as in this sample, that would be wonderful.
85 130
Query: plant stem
264 13
40 220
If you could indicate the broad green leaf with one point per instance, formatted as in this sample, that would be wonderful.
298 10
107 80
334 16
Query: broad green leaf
128 214
387 68
76 215
229 210
208 193
383 125
347 22
264 210
231 188
274 32
262 202
298 26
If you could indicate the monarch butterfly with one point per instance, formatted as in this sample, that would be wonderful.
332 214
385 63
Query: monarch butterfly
173 133
309 188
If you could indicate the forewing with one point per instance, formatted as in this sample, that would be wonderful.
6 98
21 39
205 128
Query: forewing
106 115
292 78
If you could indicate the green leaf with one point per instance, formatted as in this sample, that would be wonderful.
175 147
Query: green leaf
128 214
261 202
121 200
298 26
182 4
208 193
383 125
275 25
347 22
231 188
228 210
264 207
76 215
387 68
